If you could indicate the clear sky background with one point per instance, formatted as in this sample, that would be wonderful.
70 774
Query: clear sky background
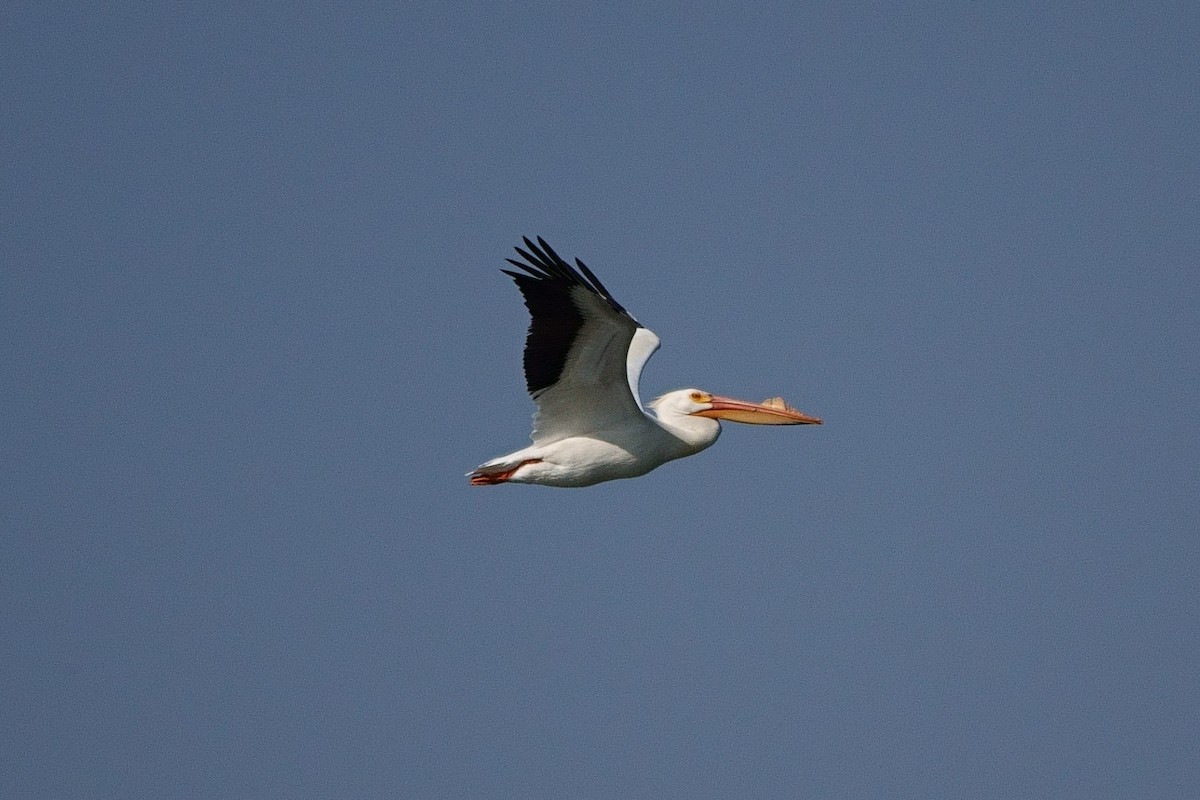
255 333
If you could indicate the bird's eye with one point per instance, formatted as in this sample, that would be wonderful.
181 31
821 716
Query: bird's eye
697 397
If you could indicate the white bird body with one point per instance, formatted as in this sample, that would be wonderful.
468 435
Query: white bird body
626 450
583 359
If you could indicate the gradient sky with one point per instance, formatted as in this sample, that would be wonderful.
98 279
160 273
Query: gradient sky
255 333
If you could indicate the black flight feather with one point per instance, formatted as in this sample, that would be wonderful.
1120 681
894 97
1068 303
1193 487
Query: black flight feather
546 284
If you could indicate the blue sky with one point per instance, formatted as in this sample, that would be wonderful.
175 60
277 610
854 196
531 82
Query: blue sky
255 333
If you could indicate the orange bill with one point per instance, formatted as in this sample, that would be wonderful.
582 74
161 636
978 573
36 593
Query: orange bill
772 411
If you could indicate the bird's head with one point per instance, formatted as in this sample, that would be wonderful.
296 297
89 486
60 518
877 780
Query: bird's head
697 403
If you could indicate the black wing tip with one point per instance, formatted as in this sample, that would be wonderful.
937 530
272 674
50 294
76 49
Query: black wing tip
544 263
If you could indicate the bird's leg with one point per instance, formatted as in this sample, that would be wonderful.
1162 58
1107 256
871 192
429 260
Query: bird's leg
490 478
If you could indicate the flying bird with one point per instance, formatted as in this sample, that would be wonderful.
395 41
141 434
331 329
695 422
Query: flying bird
583 358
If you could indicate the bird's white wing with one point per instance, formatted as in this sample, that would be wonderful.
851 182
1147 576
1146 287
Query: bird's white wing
584 353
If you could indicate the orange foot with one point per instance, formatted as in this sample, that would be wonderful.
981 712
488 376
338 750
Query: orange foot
490 478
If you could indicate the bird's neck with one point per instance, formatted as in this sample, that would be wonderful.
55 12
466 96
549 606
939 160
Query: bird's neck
694 433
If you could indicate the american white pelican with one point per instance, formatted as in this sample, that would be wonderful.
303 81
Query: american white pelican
583 358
